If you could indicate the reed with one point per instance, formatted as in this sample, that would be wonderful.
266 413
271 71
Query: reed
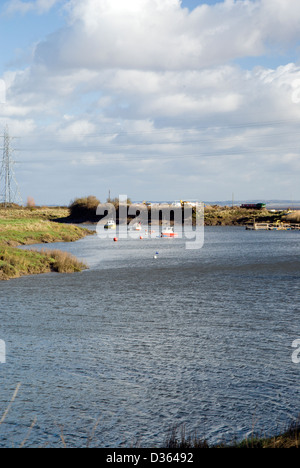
64 262
289 438
20 226
15 263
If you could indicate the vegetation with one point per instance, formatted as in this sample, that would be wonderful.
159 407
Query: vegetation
290 438
33 212
215 215
15 263
15 232
63 262
84 209
28 226
37 225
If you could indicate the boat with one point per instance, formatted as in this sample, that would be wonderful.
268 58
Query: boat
168 232
135 227
110 224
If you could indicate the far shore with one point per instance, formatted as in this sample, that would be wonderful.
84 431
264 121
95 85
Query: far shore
83 211
44 225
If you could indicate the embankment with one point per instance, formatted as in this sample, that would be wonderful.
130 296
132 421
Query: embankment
22 226
234 216
84 211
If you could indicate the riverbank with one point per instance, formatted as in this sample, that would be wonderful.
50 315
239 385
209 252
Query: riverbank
289 438
23 226
235 216
38 225
84 211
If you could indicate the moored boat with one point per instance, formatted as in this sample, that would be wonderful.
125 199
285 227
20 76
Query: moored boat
110 224
135 227
168 232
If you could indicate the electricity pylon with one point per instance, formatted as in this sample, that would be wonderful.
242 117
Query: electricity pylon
9 189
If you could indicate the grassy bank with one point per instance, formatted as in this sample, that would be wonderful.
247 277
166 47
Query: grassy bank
234 216
290 438
84 210
22 226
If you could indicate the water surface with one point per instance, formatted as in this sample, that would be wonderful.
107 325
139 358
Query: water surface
135 345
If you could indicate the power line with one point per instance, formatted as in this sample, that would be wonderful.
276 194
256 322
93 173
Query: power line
166 129
9 189
128 157
197 126
117 151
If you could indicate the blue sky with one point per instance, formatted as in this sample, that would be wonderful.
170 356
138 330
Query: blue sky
19 32
149 99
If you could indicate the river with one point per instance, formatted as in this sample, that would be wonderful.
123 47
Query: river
119 354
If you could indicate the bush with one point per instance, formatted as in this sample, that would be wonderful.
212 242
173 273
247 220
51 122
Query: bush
84 208
63 262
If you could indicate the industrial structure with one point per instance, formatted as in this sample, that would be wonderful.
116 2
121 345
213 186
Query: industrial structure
9 189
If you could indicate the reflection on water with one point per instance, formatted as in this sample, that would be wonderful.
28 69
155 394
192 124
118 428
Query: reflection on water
137 344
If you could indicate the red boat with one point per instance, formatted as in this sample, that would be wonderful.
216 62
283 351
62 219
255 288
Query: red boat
168 232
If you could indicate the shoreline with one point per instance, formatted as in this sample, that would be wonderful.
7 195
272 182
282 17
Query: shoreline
288 438
213 215
44 225
25 227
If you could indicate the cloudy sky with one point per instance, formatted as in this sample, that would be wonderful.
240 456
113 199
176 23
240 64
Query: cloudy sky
155 99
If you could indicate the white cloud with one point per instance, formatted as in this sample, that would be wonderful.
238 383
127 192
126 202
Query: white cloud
76 131
160 35
128 82
148 59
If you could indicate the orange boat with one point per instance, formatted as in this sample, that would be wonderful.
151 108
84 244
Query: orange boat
168 232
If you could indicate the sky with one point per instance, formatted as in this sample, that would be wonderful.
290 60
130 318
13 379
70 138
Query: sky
153 99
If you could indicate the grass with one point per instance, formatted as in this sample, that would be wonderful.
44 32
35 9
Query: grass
290 438
23 226
44 212
63 262
15 263
227 216
16 232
